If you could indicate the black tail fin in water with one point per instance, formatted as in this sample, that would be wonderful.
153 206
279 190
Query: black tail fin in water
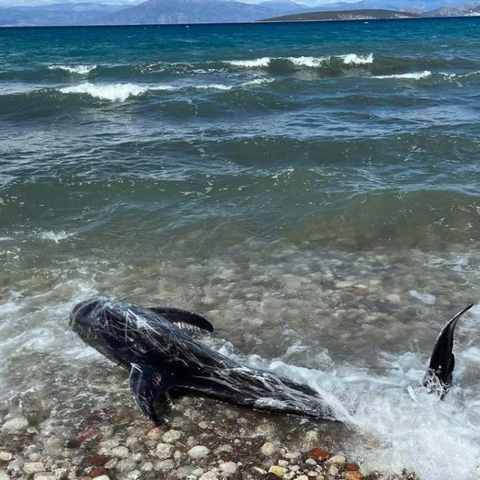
439 374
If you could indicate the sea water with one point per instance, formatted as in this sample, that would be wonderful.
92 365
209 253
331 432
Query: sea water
312 189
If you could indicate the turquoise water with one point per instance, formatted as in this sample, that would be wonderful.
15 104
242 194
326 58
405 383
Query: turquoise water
313 189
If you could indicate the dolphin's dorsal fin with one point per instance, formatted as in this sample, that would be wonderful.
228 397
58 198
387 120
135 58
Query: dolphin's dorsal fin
147 385
442 361
182 318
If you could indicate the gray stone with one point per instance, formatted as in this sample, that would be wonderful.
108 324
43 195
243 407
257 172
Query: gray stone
126 465
43 476
336 460
209 476
333 470
147 467
120 452
198 452
33 467
269 449
165 465
228 468
164 451
15 425
4 475
171 436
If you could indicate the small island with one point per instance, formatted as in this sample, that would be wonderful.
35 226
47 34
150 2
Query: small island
366 14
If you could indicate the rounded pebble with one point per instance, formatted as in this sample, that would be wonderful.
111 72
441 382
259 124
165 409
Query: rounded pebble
33 467
209 476
198 452
229 468
120 452
164 451
15 425
6 456
171 436
333 470
269 449
336 460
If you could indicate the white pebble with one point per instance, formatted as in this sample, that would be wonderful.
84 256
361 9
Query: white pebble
33 467
4 476
229 468
6 456
333 470
102 477
198 452
336 460
164 451
165 465
209 476
269 449
120 452
171 436
15 425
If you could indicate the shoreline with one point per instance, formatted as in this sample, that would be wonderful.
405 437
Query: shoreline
119 444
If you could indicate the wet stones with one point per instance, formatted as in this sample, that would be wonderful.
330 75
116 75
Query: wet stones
171 436
198 452
269 449
164 451
15 425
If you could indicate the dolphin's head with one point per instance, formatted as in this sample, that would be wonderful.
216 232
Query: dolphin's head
98 323
85 318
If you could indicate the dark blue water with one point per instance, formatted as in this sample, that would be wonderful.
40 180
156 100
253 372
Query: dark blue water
315 185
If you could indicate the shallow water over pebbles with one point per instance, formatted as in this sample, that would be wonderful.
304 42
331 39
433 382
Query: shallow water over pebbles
311 189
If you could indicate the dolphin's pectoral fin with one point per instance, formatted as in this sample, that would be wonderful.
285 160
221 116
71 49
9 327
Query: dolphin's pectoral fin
147 385
442 362
181 317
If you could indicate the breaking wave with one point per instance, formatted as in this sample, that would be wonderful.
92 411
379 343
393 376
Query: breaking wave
79 69
406 76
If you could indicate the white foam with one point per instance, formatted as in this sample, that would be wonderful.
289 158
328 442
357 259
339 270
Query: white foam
56 236
79 69
423 434
407 76
353 59
118 92
256 63
313 62
423 297
220 86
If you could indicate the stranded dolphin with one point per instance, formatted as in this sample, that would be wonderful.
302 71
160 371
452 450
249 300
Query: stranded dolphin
152 344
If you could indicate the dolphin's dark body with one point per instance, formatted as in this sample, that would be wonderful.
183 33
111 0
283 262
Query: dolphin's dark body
161 356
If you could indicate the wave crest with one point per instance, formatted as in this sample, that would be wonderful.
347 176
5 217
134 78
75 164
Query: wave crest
79 69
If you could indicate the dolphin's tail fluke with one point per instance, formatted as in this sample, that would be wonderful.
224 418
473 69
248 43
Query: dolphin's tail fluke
442 362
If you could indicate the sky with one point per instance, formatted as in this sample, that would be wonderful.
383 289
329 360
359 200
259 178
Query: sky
27 3
309 3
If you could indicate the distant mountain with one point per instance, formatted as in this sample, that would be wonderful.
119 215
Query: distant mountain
284 6
225 11
65 14
188 11
364 14
464 10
